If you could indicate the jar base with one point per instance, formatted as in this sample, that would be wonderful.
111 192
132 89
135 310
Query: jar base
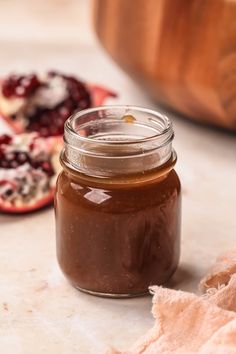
109 295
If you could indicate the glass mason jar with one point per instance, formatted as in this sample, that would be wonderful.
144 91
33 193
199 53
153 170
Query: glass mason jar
117 202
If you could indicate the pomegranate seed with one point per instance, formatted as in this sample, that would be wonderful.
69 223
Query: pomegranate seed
10 156
53 130
44 118
3 164
14 159
7 91
13 164
20 86
64 112
22 157
43 131
5 139
20 91
31 146
45 166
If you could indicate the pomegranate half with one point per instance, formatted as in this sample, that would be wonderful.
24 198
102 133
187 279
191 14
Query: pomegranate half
42 103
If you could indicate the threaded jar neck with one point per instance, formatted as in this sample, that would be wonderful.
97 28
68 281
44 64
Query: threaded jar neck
117 140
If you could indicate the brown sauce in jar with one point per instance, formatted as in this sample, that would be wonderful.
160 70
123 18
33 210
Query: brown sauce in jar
118 239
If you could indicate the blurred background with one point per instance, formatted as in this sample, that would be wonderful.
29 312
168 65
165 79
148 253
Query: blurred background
181 53
51 21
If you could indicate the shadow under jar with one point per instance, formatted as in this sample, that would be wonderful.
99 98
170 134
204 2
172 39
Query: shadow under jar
118 201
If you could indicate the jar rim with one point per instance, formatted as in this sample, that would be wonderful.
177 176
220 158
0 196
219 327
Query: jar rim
166 134
116 140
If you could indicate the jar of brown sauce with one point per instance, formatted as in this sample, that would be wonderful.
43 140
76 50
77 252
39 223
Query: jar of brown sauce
118 201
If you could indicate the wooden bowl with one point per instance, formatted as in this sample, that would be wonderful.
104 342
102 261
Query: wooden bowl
183 52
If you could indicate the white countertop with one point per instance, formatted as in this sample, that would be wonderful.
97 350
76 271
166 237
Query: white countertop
39 311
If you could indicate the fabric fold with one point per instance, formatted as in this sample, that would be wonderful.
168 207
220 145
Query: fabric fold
221 272
187 324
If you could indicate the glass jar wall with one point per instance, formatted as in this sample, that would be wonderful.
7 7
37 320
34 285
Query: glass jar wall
118 201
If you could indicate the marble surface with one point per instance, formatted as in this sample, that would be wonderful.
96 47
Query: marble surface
39 311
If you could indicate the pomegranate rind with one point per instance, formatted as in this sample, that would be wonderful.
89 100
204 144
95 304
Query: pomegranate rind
99 94
41 203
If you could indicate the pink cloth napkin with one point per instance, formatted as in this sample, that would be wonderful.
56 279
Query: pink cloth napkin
189 324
